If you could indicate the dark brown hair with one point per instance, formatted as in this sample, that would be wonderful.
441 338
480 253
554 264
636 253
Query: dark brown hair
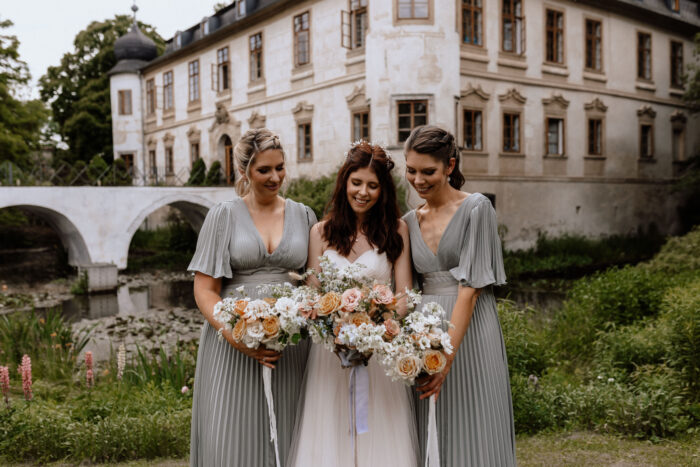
438 144
381 223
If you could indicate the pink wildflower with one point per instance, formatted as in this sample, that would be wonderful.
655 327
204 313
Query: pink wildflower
185 390
5 383
25 369
89 375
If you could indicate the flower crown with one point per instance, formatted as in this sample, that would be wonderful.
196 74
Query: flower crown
389 160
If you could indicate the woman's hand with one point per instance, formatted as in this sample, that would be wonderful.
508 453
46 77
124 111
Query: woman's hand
432 384
263 355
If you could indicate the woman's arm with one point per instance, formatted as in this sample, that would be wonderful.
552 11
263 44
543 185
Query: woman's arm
207 293
461 317
316 245
403 273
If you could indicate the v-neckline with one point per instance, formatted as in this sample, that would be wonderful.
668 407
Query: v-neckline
345 258
449 223
257 232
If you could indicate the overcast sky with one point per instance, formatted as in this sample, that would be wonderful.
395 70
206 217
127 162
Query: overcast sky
46 28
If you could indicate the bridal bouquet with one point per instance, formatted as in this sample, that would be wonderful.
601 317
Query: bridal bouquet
272 321
420 347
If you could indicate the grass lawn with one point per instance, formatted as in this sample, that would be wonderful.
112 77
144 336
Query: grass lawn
559 449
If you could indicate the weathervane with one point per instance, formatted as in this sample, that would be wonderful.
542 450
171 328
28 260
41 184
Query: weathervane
134 8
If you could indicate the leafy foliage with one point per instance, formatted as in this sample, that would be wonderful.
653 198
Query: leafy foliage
198 173
214 174
692 89
313 193
78 89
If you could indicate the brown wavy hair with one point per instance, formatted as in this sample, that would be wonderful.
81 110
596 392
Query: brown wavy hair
438 144
381 224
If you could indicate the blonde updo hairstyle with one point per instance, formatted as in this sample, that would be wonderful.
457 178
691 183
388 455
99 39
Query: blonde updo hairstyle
253 142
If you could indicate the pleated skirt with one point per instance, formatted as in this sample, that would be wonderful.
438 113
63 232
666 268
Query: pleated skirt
230 424
474 410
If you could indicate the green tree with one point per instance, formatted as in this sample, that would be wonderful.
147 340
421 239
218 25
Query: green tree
692 90
198 173
78 88
20 121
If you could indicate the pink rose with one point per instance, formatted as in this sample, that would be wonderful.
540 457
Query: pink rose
392 329
350 299
383 295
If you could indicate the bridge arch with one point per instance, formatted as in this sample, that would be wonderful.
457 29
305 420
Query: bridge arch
71 238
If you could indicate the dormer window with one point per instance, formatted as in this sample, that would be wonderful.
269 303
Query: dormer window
241 8
178 40
675 5
204 27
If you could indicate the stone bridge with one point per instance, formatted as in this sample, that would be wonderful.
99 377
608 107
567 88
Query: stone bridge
96 224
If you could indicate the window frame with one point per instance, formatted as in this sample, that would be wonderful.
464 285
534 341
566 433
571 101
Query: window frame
223 70
557 34
676 78
517 44
413 17
471 10
412 116
650 153
150 97
124 102
361 11
593 38
255 58
168 91
598 136
169 161
360 113
644 54
561 136
302 145
194 152
473 111
512 113
193 81
297 33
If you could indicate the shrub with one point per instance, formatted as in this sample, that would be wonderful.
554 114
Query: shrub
629 347
198 173
679 254
214 174
526 351
313 193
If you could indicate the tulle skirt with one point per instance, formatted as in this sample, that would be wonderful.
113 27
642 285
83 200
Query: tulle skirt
322 435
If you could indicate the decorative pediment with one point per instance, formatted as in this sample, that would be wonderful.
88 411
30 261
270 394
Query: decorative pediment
168 139
597 105
256 120
151 142
193 134
476 92
557 100
678 117
221 113
646 111
223 119
357 98
303 111
514 96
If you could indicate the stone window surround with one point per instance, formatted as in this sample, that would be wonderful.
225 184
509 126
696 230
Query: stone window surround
512 54
555 107
124 102
641 79
394 113
460 27
473 98
348 31
170 111
194 104
430 20
547 8
168 144
599 20
194 136
295 64
596 110
678 123
358 102
646 117
261 79
303 115
512 102
151 98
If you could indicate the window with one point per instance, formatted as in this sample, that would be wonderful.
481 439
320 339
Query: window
193 70
413 9
513 26
472 130
676 64
169 163
555 136
511 132
360 125
304 141
152 163
646 146
128 162
555 36
205 27
676 5
125 102
358 19
194 152
594 39
222 70
256 56
411 114
302 49
168 90
472 22
644 55
150 96
241 8
595 136
677 144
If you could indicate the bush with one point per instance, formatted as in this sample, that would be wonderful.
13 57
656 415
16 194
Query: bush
313 193
629 347
678 255
527 353
198 173
214 175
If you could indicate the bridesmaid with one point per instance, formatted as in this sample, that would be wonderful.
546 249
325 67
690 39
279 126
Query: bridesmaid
457 255
255 239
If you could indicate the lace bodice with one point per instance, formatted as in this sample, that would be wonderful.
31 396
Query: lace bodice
376 265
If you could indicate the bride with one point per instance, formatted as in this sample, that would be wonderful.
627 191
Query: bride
363 228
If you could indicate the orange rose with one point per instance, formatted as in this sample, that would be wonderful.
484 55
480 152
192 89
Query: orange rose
240 306
336 328
392 329
271 326
270 301
328 304
434 361
360 318
238 330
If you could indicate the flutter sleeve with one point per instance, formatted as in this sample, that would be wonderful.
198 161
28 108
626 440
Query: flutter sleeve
212 255
481 257
310 217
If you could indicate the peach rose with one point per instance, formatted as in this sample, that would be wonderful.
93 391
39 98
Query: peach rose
383 295
329 303
306 308
350 299
240 306
408 366
360 318
270 301
434 361
271 326
392 329
238 330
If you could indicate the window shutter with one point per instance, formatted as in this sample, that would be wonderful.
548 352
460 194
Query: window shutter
523 36
345 30
214 78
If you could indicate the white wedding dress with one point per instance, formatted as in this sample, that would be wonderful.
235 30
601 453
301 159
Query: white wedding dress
322 436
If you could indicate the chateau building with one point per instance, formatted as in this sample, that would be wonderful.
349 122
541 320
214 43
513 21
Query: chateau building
568 113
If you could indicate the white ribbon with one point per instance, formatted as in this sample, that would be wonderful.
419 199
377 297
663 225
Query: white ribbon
267 384
432 449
